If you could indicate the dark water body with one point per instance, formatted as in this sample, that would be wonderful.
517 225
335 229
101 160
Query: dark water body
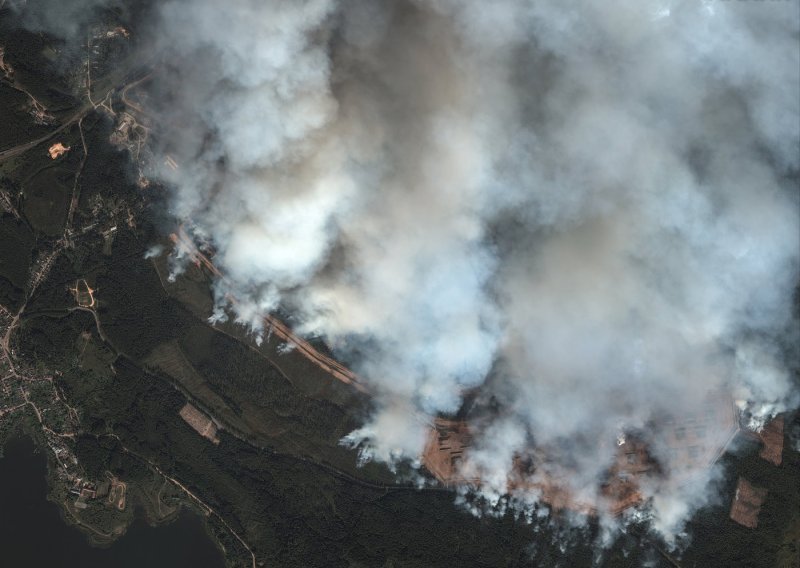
33 535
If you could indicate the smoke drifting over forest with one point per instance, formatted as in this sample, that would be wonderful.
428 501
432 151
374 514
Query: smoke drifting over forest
591 204
589 209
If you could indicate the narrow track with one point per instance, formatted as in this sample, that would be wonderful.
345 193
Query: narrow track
274 325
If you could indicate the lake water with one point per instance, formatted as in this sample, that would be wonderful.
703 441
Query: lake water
33 535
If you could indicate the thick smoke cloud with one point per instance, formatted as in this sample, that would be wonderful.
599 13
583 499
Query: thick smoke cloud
63 19
588 209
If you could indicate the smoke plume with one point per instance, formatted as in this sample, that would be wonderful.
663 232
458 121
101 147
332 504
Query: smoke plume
65 20
589 210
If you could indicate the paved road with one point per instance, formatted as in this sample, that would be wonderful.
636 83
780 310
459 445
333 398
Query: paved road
22 148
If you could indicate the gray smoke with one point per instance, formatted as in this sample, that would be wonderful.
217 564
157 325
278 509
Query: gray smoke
64 19
593 204
589 209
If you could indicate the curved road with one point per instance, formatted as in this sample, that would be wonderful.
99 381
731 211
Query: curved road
22 148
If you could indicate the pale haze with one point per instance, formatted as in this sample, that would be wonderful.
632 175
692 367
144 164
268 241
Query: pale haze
587 209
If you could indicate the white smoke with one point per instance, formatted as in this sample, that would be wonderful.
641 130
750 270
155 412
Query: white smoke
592 203
62 19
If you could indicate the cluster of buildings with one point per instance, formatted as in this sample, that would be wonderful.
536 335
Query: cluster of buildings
112 491
85 491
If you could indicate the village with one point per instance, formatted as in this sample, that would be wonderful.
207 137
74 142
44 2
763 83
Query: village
31 396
